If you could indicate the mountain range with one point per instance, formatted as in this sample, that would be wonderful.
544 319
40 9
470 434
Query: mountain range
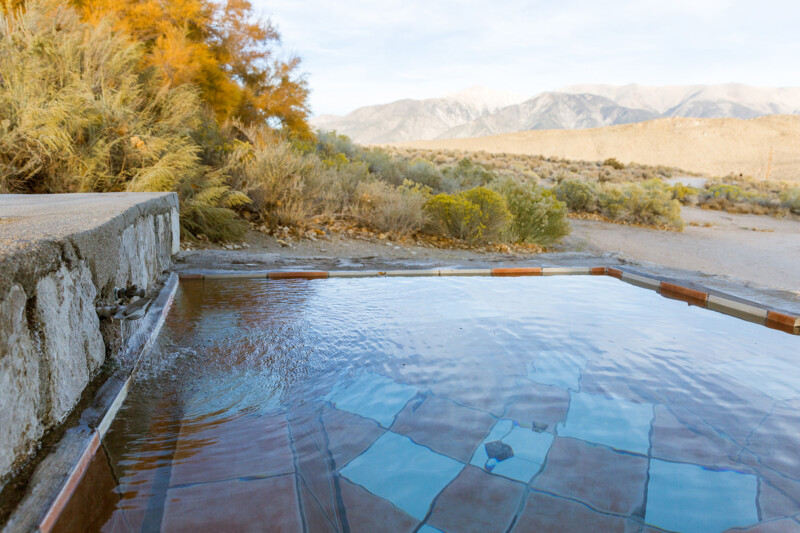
480 112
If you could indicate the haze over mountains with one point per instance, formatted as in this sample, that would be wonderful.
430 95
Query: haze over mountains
480 112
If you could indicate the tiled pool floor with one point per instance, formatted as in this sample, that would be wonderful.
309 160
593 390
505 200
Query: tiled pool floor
505 419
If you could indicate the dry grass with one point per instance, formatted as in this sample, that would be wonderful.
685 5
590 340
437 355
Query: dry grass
718 147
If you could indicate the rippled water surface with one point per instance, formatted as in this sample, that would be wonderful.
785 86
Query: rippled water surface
450 404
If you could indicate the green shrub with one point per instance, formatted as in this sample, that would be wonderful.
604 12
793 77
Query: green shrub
612 201
537 215
477 215
613 163
649 202
579 195
286 186
652 206
732 193
467 175
684 194
390 209
424 173
206 208
791 199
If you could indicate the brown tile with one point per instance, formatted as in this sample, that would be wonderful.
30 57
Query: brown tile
137 487
614 273
684 294
680 436
606 480
317 520
541 404
480 388
545 513
776 441
245 446
444 427
773 503
728 407
118 523
257 505
782 321
368 513
787 525
523 271
313 465
598 271
476 501
94 499
348 434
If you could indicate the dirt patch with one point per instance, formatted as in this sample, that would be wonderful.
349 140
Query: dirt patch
760 250
717 147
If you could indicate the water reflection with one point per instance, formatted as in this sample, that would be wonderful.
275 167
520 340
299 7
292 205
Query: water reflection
327 399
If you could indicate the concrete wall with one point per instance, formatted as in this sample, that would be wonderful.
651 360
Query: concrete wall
60 255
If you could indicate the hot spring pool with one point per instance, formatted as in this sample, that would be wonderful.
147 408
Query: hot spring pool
450 404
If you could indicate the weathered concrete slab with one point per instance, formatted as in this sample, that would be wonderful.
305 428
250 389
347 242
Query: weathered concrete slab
60 255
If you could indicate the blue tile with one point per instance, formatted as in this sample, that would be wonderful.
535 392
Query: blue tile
530 449
372 396
558 368
407 474
617 423
690 498
428 529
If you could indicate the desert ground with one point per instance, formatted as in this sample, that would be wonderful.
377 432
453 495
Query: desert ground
717 147
762 251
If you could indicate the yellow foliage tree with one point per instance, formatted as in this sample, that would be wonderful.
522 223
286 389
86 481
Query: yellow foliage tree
221 48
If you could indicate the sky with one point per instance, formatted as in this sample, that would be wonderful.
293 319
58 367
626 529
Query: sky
364 52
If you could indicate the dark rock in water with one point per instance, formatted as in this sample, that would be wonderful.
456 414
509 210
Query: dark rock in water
538 428
498 450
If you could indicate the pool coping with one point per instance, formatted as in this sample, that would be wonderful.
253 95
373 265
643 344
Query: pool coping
691 293
56 478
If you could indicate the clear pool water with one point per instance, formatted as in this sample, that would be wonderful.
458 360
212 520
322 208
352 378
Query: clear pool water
451 404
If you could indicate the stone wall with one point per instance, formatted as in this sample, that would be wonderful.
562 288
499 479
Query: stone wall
60 255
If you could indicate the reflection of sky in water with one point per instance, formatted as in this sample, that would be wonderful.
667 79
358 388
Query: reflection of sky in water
603 352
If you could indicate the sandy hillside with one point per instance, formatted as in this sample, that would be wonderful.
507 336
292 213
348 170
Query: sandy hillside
713 146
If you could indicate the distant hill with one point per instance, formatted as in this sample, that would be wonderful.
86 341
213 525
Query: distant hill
717 147
479 112
406 120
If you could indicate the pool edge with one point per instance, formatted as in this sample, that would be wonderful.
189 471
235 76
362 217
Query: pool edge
691 294
59 474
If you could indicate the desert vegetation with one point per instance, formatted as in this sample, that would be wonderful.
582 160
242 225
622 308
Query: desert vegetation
188 96
628 193
102 96
737 194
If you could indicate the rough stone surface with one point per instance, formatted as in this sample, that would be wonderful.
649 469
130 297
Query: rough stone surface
60 255
19 381
72 347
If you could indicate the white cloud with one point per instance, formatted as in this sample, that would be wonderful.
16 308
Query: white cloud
364 52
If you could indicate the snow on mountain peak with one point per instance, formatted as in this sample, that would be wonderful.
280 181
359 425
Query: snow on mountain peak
479 97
